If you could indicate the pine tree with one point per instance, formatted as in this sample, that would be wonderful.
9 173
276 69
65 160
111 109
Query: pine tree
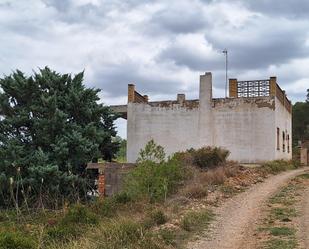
51 125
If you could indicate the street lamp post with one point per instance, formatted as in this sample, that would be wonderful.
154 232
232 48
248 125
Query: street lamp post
226 69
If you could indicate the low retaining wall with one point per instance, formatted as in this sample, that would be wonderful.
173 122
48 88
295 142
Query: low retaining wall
111 176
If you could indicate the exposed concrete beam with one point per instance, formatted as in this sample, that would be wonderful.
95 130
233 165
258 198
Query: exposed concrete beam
120 109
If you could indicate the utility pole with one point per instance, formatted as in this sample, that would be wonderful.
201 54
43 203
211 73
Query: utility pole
226 69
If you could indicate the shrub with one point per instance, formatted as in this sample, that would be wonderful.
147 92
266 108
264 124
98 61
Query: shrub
72 224
168 236
215 176
14 240
122 198
154 218
209 157
152 152
218 175
277 166
64 232
195 191
154 180
125 233
105 207
158 217
80 214
195 220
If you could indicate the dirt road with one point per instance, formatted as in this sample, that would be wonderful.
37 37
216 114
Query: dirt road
237 218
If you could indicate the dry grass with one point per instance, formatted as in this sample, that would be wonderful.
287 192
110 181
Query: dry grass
219 175
197 186
195 191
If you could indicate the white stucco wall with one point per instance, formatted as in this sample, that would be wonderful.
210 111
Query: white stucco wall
173 127
244 126
284 123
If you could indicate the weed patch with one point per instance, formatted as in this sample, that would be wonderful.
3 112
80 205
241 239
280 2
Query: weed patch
195 191
196 220
124 233
14 240
282 231
282 213
281 244
278 227
80 214
209 157
304 176
277 166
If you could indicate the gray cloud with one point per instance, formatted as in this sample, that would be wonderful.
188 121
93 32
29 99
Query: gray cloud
60 5
162 46
256 45
274 47
116 78
178 19
188 57
288 8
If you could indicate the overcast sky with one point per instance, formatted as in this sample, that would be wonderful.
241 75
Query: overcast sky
161 46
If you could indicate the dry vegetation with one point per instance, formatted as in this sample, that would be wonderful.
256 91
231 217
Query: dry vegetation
163 205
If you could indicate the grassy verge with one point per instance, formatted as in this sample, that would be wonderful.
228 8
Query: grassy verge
277 166
163 209
135 225
278 229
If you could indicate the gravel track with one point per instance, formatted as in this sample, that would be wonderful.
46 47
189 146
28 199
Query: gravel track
236 220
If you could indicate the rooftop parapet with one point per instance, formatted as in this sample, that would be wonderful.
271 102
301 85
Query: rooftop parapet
258 88
134 96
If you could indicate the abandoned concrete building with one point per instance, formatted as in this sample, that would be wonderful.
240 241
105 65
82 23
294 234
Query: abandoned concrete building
253 123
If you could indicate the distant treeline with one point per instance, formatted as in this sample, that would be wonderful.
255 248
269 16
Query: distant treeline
301 121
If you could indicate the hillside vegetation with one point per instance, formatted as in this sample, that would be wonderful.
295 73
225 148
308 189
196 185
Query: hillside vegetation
164 203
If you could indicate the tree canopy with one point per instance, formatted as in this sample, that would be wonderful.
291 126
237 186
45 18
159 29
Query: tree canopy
301 120
51 125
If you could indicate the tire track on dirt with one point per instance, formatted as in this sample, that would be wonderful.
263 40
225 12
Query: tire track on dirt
237 218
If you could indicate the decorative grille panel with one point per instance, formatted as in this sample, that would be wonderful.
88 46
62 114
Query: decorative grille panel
253 88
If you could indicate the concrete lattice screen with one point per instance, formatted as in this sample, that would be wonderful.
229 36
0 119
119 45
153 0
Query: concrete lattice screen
258 88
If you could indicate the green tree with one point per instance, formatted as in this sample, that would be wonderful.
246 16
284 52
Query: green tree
51 125
122 152
301 120
151 152
154 177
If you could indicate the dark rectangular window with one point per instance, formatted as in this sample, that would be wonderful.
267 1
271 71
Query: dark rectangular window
288 141
283 141
278 138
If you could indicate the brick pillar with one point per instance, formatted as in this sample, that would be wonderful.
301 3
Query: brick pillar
146 98
272 86
101 185
233 88
181 98
131 93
